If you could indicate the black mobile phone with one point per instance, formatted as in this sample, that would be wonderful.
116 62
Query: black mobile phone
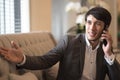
104 40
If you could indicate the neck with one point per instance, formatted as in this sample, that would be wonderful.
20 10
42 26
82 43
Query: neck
94 44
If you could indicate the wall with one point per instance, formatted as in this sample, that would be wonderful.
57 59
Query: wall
118 3
113 26
40 15
58 18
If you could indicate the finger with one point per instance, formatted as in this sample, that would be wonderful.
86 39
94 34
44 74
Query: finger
5 49
2 55
14 45
103 36
6 57
105 31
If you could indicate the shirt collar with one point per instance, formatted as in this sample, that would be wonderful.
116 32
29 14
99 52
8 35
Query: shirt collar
88 43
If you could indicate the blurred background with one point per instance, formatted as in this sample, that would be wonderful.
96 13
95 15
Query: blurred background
55 16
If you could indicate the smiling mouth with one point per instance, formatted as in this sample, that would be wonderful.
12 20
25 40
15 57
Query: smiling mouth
92 34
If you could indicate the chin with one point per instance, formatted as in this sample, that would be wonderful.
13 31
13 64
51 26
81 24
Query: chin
92 38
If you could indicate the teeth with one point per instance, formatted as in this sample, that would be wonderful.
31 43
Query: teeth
92 34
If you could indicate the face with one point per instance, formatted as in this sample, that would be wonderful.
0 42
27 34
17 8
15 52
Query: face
94 28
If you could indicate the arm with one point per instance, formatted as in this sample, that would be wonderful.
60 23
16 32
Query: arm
47 60
15 55
114 70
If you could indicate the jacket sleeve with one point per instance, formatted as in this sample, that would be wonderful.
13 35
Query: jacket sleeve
49 59
114 70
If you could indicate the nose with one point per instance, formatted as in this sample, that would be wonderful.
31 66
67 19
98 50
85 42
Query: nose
92 26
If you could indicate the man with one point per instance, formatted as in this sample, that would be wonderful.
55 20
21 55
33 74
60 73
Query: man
82 57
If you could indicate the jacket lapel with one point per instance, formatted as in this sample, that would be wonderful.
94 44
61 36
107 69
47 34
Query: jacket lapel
79 52
99 64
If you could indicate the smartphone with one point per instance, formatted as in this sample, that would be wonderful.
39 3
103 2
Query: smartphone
104 40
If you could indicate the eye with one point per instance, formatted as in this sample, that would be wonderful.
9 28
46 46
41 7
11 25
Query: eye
89 22
98 23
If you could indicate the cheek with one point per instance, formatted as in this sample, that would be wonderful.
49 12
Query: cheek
100 32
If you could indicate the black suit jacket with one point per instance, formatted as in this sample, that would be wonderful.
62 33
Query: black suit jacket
70 51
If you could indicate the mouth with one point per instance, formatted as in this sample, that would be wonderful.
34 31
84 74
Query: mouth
92 34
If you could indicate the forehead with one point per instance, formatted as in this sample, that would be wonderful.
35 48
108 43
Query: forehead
92 18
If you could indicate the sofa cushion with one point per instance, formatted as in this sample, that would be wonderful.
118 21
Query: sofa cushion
51 73
26 76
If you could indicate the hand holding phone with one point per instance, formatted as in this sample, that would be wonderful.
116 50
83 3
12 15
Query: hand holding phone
107 42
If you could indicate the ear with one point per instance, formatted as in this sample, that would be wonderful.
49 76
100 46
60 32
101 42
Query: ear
106 27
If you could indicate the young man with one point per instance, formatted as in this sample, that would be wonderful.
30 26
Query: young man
82 57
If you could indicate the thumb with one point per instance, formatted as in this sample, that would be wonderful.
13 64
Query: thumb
14 45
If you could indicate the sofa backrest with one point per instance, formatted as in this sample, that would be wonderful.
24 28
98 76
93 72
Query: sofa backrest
33 44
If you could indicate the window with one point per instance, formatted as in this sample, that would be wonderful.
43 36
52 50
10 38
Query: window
13 16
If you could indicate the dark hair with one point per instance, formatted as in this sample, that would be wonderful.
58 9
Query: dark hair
100 14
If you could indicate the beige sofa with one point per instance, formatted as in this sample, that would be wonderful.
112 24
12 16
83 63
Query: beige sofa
33 44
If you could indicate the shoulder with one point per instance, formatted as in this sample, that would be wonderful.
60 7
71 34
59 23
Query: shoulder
77 37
